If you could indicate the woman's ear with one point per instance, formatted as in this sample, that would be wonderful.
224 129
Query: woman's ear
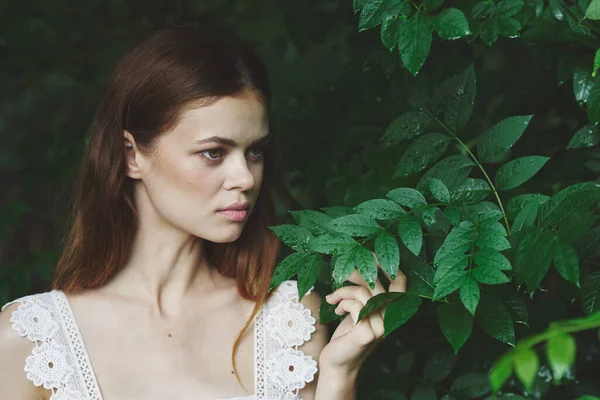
133 156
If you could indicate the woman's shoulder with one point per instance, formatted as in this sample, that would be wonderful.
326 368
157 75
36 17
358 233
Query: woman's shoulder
15 349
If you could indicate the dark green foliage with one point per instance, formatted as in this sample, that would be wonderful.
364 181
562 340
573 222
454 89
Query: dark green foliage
455 142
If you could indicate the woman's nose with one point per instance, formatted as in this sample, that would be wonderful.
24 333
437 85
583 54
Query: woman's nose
241 176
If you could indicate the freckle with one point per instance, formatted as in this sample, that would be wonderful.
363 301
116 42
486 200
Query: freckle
169 335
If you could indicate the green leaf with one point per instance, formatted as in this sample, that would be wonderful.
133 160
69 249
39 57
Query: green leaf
421 153
518 171
494 319
455 263
405 127
489 275
375 12
455 244
456 324
451 171
308 274
451 24
490 240
515 204
289 266
587 136
593 109
573 199
501 137
483 9
526 365
560 353
343 267
471 190
596 63
438 366
491 258
337 211
428 215
589 245
407 197
533 257
314 221
489 30
567 262
355 225
439 191
376 302
501 372
415 42
432 5
419 279
332 243
509 27
400 311
453 215
458 95
411 233
493 227
583 82
593 10
390 29
293 236
508 8
366 264
449 283
526 217
513 302
470 295
471 385
388 253
380 209
590 293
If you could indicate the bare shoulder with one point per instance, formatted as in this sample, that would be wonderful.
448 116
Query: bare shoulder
14 349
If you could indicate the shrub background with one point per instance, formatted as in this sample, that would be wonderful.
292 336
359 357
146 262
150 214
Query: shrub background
337 93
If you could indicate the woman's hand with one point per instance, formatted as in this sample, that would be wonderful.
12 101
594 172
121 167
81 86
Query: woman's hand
351 344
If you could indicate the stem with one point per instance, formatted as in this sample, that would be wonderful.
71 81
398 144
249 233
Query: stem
436 119
572 325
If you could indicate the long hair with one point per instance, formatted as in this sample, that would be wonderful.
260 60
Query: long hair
165 72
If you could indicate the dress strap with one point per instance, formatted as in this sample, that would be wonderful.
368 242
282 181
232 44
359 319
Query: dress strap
282 326
57 361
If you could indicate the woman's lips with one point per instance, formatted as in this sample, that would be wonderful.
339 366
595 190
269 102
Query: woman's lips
234 215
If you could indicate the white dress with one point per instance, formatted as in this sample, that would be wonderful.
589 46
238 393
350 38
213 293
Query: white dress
60 363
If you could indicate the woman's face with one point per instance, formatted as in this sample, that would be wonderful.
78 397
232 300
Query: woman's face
211 160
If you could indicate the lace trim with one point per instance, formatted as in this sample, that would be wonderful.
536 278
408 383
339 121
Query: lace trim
58 362
86 372
283 325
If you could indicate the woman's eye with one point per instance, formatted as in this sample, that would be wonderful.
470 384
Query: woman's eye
212 154
257 152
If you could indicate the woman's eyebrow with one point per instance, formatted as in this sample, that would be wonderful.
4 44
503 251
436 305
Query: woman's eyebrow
230 142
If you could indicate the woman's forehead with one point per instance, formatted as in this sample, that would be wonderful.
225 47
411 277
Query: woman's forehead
241 119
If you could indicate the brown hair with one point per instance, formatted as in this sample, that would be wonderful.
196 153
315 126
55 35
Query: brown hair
167 71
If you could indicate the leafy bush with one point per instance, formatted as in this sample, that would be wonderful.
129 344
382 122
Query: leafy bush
476 238
457 142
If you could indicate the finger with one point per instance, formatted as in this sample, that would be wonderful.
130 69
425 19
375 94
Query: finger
351 306
356 277
398 284
376 322
362 332
359 293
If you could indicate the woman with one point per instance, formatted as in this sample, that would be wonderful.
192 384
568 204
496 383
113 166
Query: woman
169 258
